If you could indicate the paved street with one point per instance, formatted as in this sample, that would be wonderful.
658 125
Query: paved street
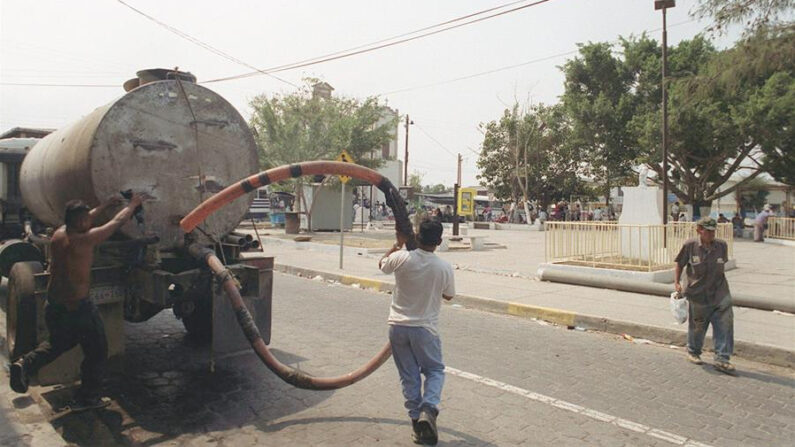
512 381
638 314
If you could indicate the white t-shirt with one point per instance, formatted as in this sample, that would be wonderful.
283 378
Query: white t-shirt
421 278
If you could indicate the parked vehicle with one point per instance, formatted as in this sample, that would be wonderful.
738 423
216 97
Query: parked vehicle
180 143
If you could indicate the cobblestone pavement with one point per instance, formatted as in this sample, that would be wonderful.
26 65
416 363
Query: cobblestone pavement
508 371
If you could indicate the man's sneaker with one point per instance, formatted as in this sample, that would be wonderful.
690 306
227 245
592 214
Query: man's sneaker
724 367
19 377
426 426
84 404
694 359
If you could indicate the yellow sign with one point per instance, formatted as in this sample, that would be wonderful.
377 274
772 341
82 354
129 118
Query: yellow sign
466 201
344 157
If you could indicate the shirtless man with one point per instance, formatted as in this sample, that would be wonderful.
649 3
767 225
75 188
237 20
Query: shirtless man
71 317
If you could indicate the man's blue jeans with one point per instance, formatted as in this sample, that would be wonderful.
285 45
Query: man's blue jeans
722 318
416 351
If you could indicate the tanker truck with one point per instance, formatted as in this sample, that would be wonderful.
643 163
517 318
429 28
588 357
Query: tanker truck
179 142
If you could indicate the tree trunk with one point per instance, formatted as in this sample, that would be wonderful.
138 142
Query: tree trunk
697 205
514 208
607 191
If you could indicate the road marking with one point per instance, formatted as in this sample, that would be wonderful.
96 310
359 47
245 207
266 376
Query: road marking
574 408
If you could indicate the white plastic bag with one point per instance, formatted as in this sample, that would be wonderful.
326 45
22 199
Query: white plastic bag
679 307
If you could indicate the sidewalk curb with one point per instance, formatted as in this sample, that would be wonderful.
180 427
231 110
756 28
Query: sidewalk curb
22 420
748 350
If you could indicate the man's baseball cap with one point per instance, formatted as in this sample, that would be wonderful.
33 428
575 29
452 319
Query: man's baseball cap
707 223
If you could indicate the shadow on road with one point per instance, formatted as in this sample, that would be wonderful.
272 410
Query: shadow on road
166 389
458 438
754 375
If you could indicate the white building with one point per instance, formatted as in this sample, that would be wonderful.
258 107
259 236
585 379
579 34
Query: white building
392 166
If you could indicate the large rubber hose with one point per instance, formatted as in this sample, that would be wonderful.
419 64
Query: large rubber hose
208 207
275 175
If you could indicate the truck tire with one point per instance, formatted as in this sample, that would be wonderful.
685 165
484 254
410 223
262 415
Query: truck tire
21 315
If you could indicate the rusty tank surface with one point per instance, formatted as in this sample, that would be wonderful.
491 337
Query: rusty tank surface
179 142
174 139
193 152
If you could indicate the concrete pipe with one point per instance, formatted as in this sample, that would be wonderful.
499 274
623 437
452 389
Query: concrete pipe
783 304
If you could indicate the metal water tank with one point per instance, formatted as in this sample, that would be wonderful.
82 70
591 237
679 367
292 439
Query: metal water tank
176 140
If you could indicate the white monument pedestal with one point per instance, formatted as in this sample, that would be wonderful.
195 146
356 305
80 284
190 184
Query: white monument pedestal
642 206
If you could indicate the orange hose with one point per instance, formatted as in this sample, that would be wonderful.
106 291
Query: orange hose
208 207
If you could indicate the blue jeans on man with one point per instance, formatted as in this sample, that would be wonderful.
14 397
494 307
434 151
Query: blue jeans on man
418 351
721 317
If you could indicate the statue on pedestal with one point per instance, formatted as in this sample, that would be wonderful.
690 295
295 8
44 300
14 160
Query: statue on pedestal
643 174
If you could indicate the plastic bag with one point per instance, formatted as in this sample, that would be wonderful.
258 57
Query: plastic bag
679 307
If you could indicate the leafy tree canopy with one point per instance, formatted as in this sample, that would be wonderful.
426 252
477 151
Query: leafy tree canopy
299 127
530 150
599 101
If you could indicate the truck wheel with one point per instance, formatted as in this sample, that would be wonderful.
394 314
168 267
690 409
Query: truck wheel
21 316
199 322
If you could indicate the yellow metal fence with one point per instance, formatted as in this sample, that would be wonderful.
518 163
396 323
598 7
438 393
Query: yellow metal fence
620 246
781 228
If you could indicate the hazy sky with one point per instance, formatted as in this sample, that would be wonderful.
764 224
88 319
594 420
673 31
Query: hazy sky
103 42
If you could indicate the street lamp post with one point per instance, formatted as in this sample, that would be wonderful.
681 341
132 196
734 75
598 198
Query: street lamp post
664 5
406 153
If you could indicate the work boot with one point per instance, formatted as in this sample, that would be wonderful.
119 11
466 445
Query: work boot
19 377
724 367
694 359
426 425
415 434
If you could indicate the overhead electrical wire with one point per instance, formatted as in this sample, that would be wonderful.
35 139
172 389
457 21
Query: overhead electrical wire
435 140
387 39
391 92
26 84
389 43
206 46
483 73
507 67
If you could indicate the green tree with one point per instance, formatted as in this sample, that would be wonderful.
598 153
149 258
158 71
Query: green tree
530 152
599 101
438 188
718 126
753 196
415 181
301 127
753 14
766 52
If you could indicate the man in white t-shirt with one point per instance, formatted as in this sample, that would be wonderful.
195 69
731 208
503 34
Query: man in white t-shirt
422 279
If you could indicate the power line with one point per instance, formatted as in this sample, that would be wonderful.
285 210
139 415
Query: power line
483 73
198 42
435 140
370 48
402 90
387 39
23 84
508 67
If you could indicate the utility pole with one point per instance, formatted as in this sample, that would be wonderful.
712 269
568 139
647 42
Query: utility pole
455 197
406 153
664 5
460 160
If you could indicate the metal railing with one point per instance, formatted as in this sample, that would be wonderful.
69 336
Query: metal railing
781 228
622 246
